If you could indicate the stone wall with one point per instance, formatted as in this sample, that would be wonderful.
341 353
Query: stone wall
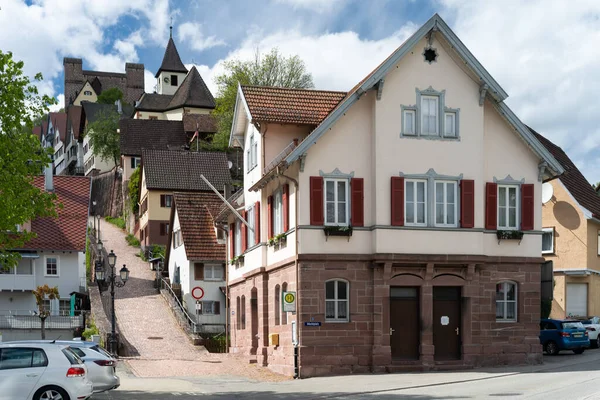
107 193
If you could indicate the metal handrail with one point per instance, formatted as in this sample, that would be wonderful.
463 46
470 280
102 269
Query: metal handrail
164 283
279 157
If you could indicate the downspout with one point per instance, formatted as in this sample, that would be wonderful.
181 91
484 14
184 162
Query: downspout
296 364
264 134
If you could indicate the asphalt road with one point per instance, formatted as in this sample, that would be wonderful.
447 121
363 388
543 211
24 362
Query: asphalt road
567 376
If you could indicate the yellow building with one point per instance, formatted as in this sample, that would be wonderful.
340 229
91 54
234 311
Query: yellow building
571 239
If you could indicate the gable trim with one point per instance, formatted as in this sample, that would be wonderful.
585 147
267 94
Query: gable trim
239 99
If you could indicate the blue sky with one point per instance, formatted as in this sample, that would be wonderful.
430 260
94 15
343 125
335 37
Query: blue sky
544 53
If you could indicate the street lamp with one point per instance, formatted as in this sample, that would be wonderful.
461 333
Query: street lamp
112 279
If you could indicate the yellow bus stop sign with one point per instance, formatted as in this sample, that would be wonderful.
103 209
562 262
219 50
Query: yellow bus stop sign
289 301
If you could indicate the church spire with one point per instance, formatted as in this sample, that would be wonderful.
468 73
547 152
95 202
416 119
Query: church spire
171 60
171 29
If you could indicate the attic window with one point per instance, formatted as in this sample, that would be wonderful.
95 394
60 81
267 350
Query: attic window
430 55
87 93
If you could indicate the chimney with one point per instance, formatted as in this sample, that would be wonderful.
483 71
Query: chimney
49 181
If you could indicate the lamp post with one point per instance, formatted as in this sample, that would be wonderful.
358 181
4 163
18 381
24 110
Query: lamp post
112 279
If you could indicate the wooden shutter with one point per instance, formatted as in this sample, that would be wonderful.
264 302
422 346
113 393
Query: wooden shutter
217 308
162 200
397 201
357 201
257 222
316 201
198 271
491 206
527 207
162 229
467 203
244 232
231 240
285 193
270 216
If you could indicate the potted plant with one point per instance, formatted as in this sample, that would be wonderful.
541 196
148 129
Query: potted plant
509 235
277 240
338 230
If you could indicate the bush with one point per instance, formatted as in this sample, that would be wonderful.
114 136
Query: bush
92 329
88 259
153 251
132 240
134 190
119 221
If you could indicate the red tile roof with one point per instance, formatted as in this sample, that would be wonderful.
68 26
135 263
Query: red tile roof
66 231
196 212
572 178
59 122
290 106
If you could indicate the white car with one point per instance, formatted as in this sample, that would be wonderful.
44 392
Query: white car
592 326
42 371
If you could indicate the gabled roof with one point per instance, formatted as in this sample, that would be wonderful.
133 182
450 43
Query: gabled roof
181 170
92 111
59 122
193 92
75 120
154 102
37 131
434 25
196 212
573 179
67 231
171 60
290 106
203 123
138 134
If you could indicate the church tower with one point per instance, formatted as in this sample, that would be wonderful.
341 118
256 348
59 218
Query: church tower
172 72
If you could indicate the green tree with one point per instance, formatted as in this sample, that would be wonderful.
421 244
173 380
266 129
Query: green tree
21 157
104 138
42 293
134 190
110 96
274 69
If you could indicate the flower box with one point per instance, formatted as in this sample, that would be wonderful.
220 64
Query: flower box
337 231
509 235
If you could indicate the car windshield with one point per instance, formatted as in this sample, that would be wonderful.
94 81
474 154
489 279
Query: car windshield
101 351
572 325
72 356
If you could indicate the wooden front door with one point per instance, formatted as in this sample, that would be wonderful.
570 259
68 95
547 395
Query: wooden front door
446 323
404 323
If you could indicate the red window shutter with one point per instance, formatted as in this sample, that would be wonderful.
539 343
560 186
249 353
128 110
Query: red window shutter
285 202
257 222
357 201
217 308
467 203
527 207
491 206
270 216
316 201
231 240
397 202
244 232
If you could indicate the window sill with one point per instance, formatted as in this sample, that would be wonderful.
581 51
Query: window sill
431 137
334 321
506 321
51 276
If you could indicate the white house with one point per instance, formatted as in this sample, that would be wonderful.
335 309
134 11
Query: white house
403 216
196 258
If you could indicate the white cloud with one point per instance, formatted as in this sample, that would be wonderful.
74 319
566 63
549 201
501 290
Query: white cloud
544 54
319 6
61 103
192 32
149 81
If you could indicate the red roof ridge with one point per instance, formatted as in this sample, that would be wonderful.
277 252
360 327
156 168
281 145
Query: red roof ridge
288 88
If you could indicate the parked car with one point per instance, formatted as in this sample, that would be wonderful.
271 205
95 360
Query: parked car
100 364
42 371
557 335
592 325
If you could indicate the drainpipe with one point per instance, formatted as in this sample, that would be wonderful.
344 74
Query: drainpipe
296 364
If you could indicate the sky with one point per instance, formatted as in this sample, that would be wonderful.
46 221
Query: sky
544 53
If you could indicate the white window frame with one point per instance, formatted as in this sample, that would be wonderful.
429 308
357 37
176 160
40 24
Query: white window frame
507 227
505 302
251 238
337 301
278 212
46 274
452 134
445 203
237 248
551 231
413 128
599 242
61 311
212 307
336 201
212 268
437 115
414 182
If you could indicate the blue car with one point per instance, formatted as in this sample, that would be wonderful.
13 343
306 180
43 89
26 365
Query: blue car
557 335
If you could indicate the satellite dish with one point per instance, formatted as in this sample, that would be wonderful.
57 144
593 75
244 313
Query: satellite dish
230 164
547 192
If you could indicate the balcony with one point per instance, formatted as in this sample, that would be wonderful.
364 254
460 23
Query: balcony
18 282
71 154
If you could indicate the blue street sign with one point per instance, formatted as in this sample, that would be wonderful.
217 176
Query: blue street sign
312 324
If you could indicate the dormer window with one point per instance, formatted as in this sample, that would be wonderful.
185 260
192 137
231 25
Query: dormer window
87 92
429 117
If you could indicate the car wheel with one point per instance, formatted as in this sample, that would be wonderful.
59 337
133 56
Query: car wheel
50 393
578 351
551 348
